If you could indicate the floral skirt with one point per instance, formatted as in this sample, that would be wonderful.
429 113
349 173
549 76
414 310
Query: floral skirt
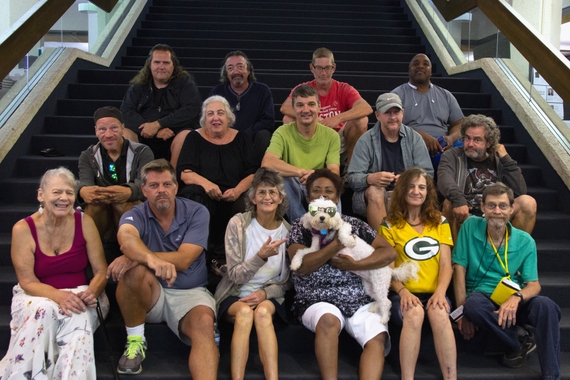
47 344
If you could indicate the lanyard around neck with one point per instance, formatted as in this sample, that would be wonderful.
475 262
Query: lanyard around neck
505 265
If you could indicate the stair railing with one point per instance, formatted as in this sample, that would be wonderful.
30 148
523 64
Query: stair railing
543 124
20 105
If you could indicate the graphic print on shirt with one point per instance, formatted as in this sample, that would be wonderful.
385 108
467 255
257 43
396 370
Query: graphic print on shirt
421 248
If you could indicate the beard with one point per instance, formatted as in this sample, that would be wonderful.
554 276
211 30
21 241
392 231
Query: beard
496 223
238 79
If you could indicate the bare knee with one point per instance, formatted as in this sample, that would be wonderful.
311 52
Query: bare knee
128 134
243 314
437 316
198 323
375 195
525 204
329 324
414 317
288 119
263 314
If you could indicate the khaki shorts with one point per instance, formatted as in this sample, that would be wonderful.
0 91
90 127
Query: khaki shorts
362 326
174 304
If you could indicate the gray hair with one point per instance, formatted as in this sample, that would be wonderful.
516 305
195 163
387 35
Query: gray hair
492 132
58 172
221 99
267 177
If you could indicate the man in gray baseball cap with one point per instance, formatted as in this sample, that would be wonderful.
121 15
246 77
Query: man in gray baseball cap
379 157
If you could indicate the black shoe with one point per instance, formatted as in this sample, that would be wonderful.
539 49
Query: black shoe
516 359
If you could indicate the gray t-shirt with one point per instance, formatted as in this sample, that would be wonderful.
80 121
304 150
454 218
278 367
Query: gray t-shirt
431 112
190 225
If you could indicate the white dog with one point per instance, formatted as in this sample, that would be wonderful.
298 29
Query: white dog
324 219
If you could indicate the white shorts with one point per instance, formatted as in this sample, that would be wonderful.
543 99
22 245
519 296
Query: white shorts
362 326
174 304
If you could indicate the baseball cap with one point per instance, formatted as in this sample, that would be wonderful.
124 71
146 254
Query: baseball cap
387 101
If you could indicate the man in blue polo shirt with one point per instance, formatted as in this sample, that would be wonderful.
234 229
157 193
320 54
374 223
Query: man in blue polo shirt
162 274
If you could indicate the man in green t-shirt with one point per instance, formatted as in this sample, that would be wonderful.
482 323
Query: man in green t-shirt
297 149
487 251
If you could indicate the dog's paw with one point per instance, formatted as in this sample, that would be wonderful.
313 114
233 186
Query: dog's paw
296 262
384 319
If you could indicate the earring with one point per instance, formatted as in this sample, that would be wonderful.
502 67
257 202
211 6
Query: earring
41 208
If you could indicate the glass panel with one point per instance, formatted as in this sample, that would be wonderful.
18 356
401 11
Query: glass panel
78 28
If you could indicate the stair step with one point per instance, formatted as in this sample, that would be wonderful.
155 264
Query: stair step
546 199
553 255
314 37
36 166
244 44
83 107
98 91
551 225
69 145
80 125
24 189
388 13
200 26
254 19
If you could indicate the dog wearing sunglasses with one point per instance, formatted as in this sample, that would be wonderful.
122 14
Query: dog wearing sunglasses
325 223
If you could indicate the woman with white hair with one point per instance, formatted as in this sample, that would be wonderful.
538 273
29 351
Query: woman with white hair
215 168
54 305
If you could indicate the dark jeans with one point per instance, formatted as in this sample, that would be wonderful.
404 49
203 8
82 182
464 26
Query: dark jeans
540 312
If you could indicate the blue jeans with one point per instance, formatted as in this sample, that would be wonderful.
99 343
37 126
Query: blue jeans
540 312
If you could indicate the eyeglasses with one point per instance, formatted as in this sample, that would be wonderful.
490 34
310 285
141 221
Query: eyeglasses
323 68
313 210
264 192
113 171
492 206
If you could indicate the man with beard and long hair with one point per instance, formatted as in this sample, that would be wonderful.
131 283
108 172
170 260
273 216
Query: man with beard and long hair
464 173
252 101
162 274
490 257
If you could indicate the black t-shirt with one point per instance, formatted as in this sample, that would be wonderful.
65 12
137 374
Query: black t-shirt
392 159
480 175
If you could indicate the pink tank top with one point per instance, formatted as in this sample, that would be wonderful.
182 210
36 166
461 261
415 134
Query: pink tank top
66 270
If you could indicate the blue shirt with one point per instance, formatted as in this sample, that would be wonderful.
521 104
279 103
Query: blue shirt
190 225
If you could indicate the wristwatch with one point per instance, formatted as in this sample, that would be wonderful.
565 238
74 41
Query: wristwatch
519 294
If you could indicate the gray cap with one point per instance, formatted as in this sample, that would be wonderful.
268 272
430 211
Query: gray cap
387 101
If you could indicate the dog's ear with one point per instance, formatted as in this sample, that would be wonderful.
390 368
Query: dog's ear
306 220
335 222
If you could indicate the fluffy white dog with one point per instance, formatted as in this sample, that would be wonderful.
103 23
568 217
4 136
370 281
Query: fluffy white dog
323 219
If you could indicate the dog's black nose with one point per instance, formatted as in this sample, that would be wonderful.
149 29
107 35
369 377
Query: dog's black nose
322 218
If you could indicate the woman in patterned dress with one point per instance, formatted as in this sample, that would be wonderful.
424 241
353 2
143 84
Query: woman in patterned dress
329 297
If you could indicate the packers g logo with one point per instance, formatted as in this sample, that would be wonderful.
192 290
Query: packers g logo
422 248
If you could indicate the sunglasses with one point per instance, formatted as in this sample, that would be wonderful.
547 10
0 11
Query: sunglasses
113 171
313 210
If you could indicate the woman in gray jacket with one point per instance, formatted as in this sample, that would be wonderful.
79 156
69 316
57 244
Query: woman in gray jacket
253 288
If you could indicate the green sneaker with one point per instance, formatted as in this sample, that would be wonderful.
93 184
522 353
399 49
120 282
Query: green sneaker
135 352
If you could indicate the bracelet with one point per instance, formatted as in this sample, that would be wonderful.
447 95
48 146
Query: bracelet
402 288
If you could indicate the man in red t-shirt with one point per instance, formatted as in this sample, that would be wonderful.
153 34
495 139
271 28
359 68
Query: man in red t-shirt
342 107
